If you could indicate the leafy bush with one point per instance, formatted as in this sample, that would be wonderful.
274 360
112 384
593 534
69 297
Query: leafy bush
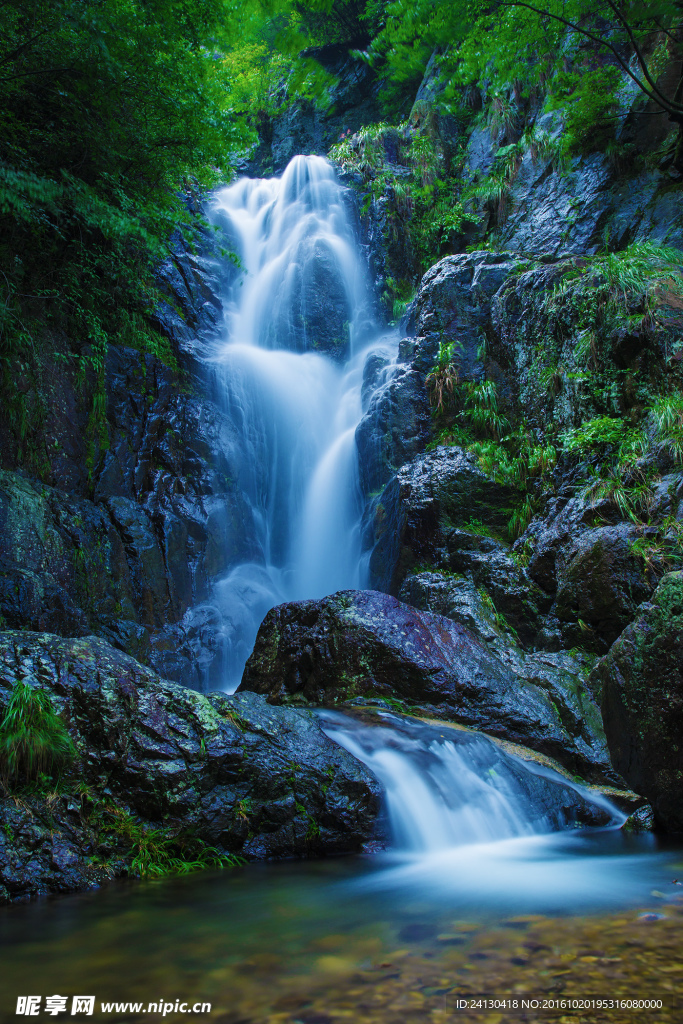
109 108
598 435
33 739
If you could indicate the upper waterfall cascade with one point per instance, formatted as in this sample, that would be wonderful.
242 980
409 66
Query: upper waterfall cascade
298 328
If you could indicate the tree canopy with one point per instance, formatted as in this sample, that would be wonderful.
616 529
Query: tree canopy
107 107
112 108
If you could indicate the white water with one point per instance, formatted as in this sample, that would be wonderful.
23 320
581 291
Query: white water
295 407
446 788
471 825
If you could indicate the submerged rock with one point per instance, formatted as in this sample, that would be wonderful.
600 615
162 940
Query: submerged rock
642 702
366 644
231 772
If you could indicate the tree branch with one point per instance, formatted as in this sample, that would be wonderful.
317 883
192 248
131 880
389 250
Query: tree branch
41 71
675 110
638 52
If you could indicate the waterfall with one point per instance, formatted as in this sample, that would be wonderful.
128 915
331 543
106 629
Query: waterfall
298 328
447 788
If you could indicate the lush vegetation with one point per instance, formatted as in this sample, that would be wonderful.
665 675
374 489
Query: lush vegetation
110 110
631 416
33 739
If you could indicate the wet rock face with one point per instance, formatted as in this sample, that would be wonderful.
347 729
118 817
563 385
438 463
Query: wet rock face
166 519
137 519
642 702
423 507
453 304
396 426
565 211
367 644
235 772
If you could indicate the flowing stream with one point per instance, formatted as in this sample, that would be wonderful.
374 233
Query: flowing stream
447 787
298 329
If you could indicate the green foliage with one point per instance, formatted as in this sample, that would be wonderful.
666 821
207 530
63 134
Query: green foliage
157 851
643 268
559 48
33 739
335 21
589 98
599 435
612 488
480 409
661 547
443 378
667 418
109 108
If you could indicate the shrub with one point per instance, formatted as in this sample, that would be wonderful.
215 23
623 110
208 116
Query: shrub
599 434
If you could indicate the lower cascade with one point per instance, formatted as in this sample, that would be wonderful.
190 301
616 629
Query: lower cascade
447 787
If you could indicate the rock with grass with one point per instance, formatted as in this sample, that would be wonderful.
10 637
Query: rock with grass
162 778
422 510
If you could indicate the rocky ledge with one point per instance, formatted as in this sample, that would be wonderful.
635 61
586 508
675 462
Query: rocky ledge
156 761
360 644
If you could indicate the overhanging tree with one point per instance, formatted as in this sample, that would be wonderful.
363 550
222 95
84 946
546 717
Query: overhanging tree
529 40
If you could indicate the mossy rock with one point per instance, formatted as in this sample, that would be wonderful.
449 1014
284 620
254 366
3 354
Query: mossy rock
642 702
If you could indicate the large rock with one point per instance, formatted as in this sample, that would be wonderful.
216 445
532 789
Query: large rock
424 504
589 568
367 644
453 305
642 702
569 209
561 674
232 772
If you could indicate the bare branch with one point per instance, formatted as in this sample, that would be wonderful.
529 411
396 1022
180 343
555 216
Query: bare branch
674 109
638 52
